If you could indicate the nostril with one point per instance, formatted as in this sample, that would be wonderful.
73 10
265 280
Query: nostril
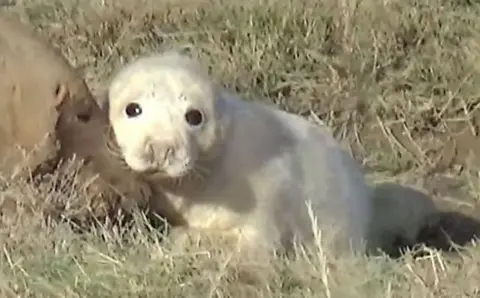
168 152
150 153
158 153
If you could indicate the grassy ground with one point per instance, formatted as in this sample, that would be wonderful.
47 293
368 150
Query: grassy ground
396 80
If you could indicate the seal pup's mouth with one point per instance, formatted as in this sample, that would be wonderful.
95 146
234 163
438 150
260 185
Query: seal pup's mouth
167 164
175 173
179 169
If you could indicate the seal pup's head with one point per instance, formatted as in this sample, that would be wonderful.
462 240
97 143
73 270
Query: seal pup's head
164 111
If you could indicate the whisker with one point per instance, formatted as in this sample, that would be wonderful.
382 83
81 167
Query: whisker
198 173
202 170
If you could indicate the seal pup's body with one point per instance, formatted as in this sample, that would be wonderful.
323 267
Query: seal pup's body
399 214
229 165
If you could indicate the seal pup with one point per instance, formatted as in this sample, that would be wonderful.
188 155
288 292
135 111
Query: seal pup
245 169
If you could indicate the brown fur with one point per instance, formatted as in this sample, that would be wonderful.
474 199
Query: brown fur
43 100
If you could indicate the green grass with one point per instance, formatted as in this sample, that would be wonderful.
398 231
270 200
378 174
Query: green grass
395 80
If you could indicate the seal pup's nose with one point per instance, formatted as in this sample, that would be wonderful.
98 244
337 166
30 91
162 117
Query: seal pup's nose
157 152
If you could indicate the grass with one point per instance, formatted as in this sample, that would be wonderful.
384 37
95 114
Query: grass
397 81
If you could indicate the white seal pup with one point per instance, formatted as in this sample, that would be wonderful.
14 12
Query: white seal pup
230 165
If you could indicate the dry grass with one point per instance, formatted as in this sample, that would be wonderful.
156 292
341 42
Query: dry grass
394 79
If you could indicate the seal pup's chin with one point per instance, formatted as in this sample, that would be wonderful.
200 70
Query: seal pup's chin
178 169
139 164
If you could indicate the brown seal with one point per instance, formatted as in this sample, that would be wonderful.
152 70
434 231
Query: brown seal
49 116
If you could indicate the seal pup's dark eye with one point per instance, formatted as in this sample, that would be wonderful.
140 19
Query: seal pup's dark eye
133 110
194 117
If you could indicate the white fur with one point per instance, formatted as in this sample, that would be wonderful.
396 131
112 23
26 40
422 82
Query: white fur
267 165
